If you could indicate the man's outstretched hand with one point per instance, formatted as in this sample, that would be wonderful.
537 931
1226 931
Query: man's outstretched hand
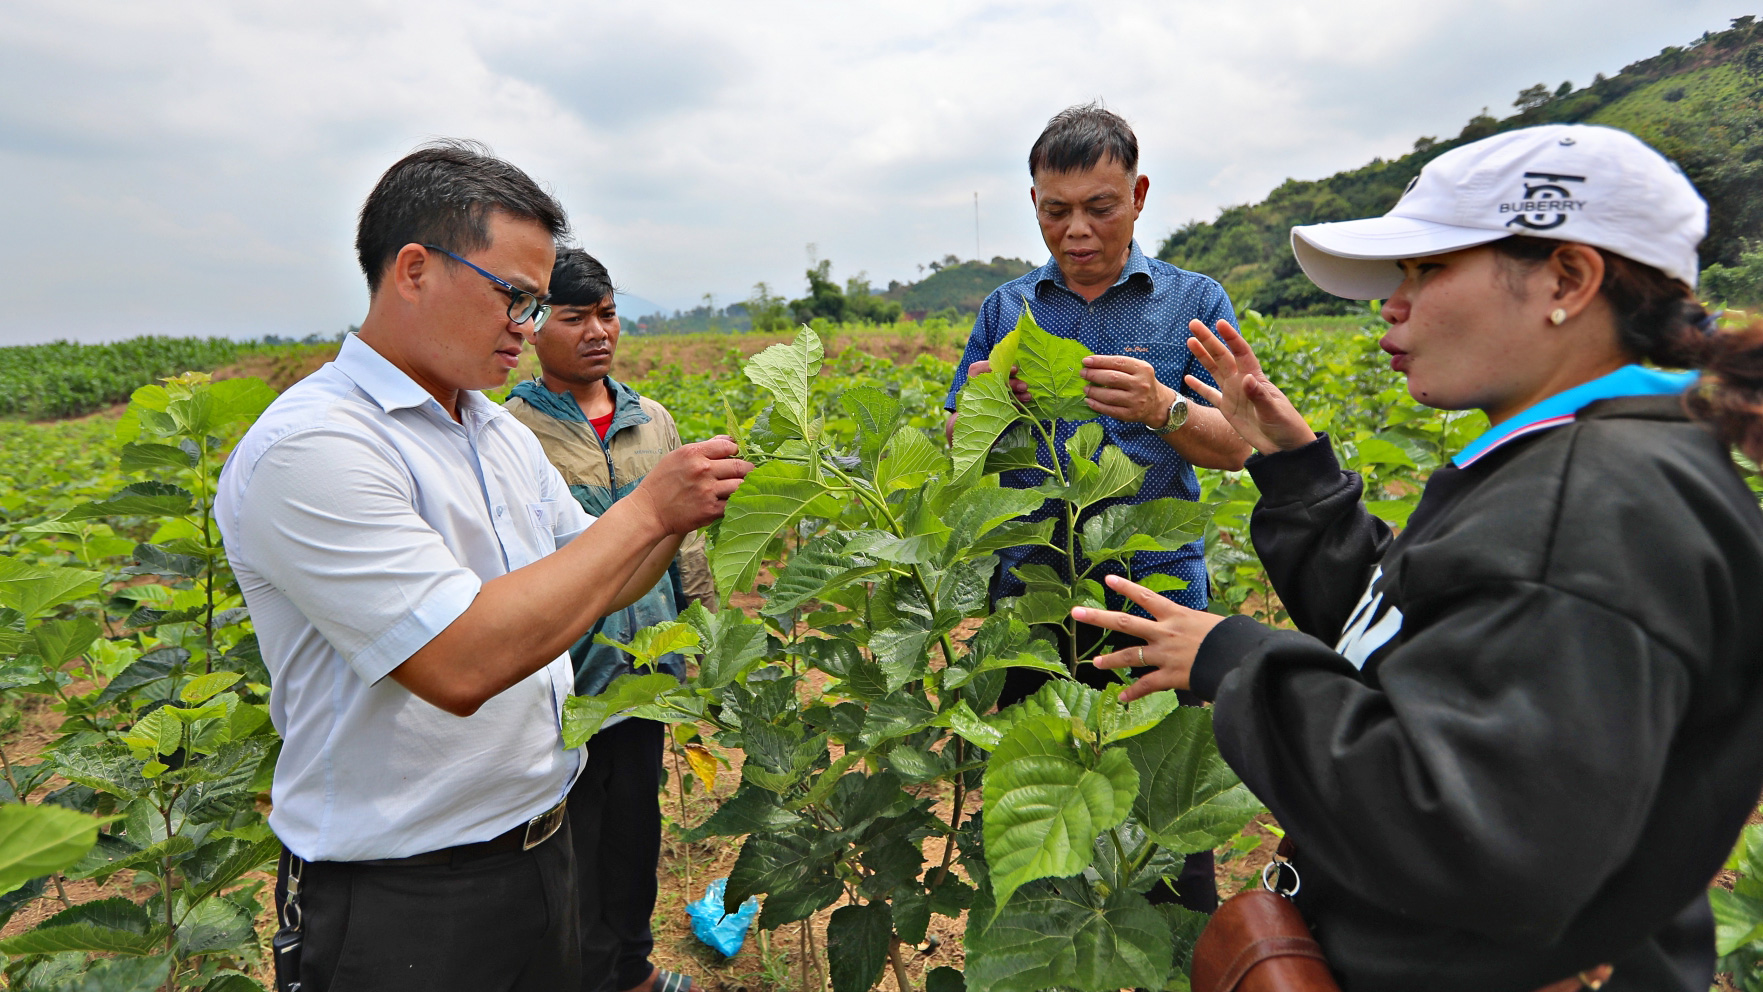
1255 407
690 486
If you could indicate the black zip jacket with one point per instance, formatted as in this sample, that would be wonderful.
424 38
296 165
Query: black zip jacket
1557 731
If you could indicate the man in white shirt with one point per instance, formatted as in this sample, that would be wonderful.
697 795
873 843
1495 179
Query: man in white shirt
409 558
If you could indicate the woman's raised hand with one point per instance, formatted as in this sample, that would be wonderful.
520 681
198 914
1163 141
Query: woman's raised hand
1172 637
1255 407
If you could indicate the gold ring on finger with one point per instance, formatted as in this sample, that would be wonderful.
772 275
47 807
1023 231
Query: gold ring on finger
1141 656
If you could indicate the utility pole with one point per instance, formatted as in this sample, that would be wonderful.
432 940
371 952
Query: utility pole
976 253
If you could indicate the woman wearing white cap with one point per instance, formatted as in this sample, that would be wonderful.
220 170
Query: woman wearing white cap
1513 744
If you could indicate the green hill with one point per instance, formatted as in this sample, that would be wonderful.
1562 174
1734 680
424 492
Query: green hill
1701 105
955 285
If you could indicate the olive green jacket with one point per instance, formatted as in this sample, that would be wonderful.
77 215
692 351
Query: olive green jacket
598 475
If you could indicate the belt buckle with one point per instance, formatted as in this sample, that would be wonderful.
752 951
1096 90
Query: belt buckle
540 828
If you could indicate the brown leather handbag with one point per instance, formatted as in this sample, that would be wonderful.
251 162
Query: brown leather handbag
1257 941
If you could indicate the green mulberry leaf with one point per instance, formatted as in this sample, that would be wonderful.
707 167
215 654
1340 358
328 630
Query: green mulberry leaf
1114 474
1064 935
140 499
1191 800
748 811
1155 525
583 715
911 459
785 370
824 562
984 410
730 643
61 641
793 873
33 590
857 940
1050 366
772 498
1044 808
38 840
877 415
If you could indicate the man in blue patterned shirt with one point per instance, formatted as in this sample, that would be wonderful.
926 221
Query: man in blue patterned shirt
1133 312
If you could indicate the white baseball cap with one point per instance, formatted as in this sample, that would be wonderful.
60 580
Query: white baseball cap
1575 182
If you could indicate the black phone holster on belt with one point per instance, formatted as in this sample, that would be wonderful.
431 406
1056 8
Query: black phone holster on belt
285 945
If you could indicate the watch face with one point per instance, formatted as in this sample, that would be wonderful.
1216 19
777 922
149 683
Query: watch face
1178 413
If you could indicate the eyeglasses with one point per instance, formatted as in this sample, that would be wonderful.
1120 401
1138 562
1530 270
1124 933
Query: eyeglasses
521 304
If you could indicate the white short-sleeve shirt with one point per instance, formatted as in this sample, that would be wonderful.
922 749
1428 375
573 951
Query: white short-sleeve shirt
361 520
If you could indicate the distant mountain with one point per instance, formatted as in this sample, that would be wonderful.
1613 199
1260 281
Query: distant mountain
955 285
1701 105
633 307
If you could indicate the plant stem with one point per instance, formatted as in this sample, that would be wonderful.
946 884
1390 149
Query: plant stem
1144 858
61 893
1068 623
878 504
1069 509
954 814
814 959
899 964
680 779
7 766
1120 854
208 559
802 944
171 935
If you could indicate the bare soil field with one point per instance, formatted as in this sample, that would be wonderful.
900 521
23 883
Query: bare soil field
642 355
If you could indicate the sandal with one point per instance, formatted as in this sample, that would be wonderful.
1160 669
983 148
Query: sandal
671 981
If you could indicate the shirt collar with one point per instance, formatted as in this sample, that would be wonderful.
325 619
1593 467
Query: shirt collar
1136 264
1561 408
627 407
392 389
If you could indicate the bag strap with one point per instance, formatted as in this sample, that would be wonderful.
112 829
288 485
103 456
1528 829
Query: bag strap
1263 949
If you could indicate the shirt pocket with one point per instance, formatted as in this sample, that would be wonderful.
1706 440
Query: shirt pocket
1169 356
532 533
544 515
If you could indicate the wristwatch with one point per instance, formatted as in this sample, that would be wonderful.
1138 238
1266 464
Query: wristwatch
1178 415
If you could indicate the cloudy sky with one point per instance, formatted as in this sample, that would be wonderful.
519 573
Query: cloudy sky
194 168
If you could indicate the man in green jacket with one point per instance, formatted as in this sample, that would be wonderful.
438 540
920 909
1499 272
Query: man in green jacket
604 438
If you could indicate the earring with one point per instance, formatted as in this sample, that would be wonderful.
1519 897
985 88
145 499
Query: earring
1558 317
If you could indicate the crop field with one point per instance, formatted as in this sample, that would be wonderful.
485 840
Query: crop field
66 380
840 732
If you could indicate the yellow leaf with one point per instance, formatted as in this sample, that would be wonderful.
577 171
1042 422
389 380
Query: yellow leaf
703 764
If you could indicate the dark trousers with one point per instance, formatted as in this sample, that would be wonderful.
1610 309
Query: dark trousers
1196 888
615 817
503 923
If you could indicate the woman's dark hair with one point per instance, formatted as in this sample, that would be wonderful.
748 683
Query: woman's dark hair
579 280
1659 319
442 194
1079 137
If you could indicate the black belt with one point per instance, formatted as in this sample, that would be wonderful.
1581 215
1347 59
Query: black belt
524 837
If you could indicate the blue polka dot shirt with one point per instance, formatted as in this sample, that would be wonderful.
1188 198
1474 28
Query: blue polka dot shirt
1144 315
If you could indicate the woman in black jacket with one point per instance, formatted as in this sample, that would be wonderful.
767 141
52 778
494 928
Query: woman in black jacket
1513 743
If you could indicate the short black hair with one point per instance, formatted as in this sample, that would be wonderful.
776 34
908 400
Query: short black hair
1079 137
579 280
442 194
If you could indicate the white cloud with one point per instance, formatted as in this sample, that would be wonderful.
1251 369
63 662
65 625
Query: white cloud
195 166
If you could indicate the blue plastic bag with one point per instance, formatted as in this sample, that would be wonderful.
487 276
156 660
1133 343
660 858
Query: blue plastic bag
725 933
